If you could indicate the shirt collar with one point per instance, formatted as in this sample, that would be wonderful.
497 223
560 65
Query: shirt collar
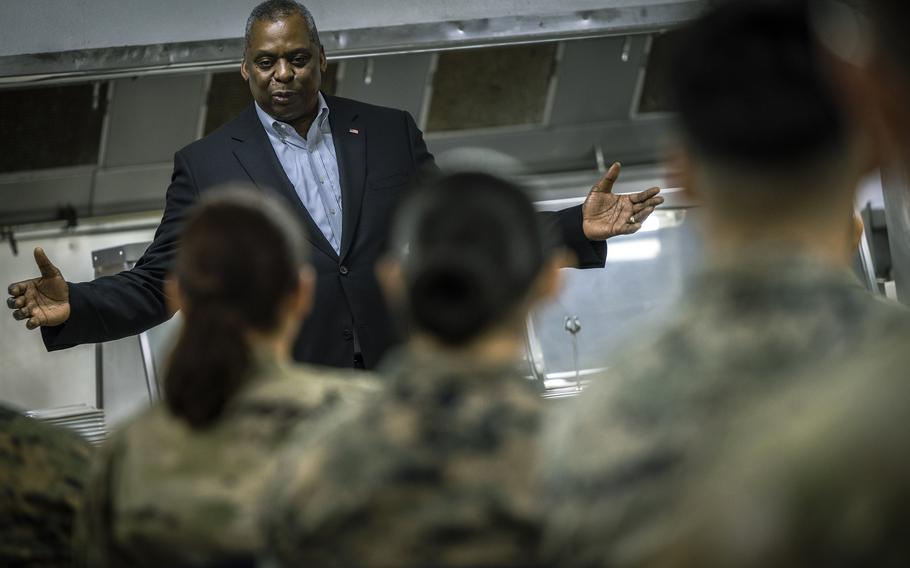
268 122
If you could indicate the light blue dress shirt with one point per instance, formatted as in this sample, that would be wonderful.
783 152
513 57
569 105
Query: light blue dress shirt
311 166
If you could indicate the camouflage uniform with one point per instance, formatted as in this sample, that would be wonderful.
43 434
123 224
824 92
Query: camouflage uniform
43 472
614 460
165 494
438 472
816 477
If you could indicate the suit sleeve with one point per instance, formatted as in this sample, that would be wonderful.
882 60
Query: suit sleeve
568 225
424 162
112 307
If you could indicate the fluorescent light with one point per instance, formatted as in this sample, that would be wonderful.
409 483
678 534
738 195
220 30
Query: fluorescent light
633 250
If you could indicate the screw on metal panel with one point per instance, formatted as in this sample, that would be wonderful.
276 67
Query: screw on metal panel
96 95
368 72
626 49
600 159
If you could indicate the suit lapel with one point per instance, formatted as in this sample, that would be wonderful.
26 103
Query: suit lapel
349 136
256 155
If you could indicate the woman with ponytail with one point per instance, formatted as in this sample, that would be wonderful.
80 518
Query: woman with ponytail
180 484
439 470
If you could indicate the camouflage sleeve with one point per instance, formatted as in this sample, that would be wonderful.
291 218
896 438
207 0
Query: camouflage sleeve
95 531
402 485
604 468
42 475
297 472
829 487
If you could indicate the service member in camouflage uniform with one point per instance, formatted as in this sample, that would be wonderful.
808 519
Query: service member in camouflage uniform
180 484
43 472
439 471
832 488
774 163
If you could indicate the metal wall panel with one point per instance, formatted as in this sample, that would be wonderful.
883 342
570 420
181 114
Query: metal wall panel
42 26
27 196
566 148
31 377
596 79
131 188
152 117
398 81
896 187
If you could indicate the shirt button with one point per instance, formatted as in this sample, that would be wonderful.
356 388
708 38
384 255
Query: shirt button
343 270
332 211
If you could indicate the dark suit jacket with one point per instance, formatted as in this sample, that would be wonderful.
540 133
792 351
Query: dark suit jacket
380 151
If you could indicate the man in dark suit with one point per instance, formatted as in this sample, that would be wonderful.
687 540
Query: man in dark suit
340 164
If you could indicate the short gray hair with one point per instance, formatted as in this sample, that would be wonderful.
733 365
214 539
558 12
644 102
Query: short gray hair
274 10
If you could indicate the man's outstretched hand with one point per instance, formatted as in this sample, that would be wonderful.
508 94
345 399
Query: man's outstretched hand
606 215
41 301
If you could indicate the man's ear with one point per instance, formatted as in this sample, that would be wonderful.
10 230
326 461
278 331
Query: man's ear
243 70
173 299
323 62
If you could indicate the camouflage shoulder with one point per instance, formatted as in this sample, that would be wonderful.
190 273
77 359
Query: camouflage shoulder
60 444
310 385
43 473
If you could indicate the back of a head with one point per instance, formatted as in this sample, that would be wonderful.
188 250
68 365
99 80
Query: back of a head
474 249
239 261
750 93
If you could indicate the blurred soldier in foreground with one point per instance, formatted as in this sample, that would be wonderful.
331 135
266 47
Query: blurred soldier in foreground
770 154
833 489
438 471
829 489
43 472
179 486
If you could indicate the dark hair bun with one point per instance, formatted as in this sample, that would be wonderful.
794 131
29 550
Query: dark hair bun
452 297
475 249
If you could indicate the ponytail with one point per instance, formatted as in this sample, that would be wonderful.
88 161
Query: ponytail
208 366
239 260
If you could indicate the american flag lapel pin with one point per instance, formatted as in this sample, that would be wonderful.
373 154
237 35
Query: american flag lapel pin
354 131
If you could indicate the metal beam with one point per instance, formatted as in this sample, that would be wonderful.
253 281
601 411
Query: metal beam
81 65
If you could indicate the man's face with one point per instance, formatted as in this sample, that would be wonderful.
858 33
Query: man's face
284 68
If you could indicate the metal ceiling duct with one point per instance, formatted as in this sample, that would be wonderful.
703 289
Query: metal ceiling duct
85 40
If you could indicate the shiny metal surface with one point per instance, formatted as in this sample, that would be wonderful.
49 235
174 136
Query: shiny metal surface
128 369
623 18
896 188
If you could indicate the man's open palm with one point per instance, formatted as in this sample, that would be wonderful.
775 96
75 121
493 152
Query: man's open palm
41 301
606 214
